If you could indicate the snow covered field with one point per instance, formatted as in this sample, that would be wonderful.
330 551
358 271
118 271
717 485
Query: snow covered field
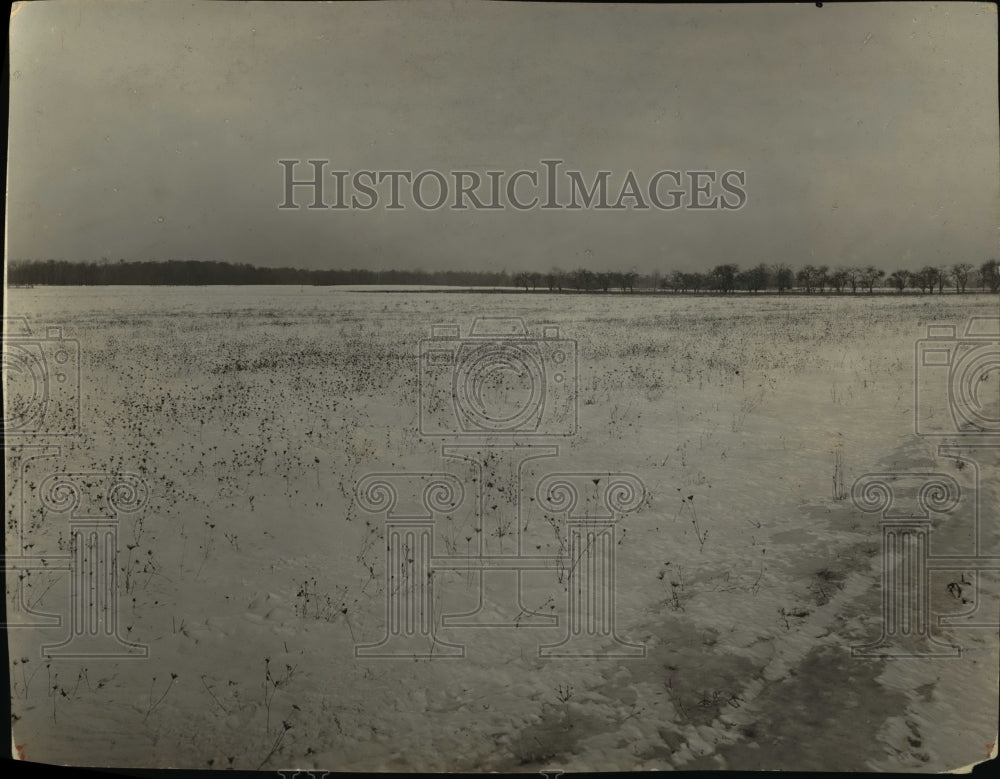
252 572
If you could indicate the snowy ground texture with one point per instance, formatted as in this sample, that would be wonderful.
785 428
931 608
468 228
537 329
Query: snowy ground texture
251 572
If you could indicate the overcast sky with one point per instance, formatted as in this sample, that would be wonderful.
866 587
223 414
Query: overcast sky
868 133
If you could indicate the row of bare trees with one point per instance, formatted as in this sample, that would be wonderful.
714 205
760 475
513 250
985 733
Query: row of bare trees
729 278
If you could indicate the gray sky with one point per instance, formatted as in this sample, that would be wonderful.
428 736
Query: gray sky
152 130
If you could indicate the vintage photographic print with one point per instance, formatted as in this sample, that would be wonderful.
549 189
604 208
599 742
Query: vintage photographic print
502 387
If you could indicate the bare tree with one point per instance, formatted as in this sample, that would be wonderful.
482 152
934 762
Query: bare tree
583 279
870 275
854 276
807 277
942 275
754 279
839 279
724 277
900 279
822 277
960 273
989 275
927 278
783 277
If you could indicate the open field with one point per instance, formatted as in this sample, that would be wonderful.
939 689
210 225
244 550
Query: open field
745 569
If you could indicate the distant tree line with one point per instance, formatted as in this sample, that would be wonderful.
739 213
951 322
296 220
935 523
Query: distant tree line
726 279
198 272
